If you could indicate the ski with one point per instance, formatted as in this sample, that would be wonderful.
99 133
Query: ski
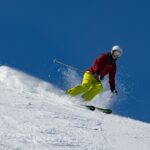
104 110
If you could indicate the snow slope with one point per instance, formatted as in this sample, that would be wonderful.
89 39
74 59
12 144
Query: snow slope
34 115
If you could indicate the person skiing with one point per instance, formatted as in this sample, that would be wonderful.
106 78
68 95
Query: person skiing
91 83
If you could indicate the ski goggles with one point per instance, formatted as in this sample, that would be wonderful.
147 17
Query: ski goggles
117 54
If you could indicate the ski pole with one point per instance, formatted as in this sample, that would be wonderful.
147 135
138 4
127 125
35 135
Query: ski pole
61 63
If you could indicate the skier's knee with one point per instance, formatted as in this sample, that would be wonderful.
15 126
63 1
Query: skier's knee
86 86
99 88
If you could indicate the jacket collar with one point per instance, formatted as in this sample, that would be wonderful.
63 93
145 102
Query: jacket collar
110 59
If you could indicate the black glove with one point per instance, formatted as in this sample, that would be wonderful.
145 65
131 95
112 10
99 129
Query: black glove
98 76
101 77
114 92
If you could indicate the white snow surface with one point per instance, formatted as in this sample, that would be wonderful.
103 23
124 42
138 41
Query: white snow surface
34 115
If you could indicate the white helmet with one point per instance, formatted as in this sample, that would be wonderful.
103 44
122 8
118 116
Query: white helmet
117 49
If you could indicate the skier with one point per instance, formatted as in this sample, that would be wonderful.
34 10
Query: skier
103 65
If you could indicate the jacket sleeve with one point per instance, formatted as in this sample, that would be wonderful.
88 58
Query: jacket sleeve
97 62
112 75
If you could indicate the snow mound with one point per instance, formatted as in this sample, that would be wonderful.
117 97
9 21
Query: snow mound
16 79
34 115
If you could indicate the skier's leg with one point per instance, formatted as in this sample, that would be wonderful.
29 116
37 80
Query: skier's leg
96 88
86 83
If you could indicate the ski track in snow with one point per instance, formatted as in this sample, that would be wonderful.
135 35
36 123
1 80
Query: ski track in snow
34 115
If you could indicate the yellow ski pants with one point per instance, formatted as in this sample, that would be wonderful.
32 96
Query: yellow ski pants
89 88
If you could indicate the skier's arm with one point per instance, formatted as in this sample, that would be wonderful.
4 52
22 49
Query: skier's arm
112 75
97 63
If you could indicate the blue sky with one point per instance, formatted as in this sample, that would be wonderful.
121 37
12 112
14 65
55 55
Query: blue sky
34 32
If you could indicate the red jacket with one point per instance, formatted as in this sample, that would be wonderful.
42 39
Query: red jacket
104 65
